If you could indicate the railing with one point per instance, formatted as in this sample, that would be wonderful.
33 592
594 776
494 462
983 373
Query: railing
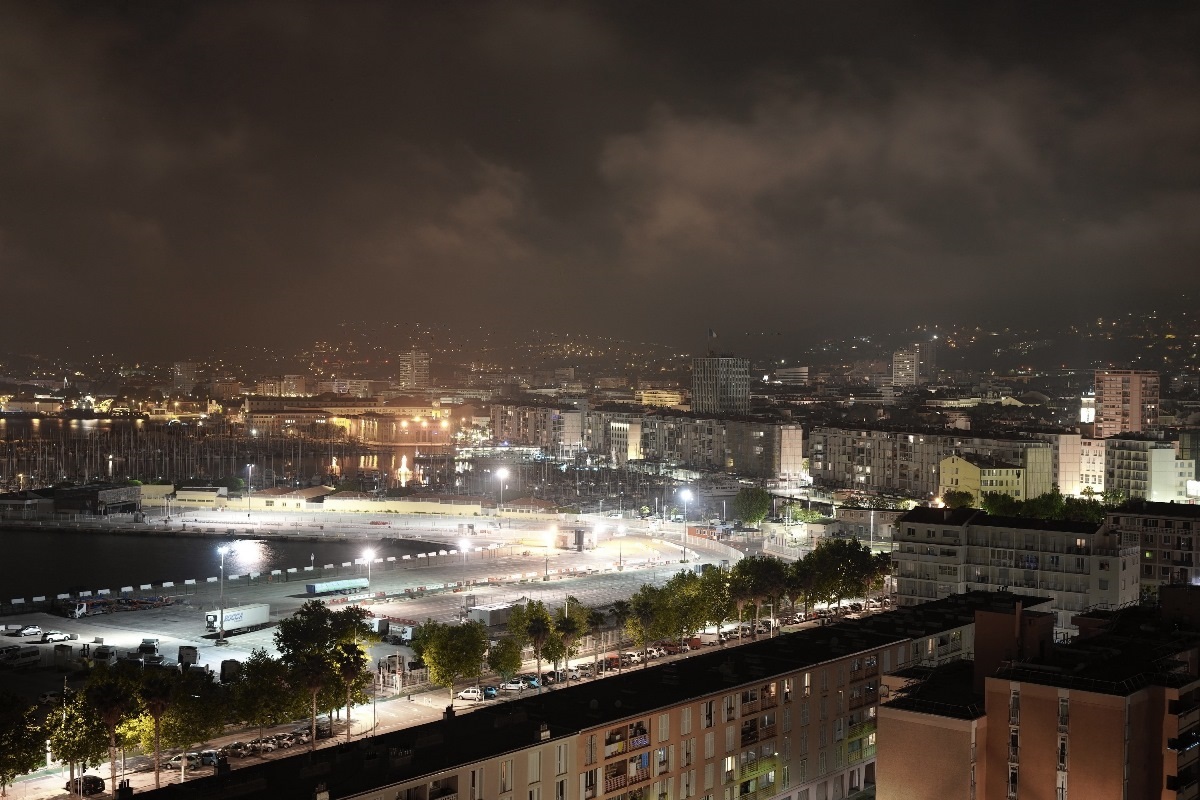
749 736
750 707
638 776
757 767
614 783
766 732
861 729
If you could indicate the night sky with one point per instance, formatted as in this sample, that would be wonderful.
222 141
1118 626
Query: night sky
175 177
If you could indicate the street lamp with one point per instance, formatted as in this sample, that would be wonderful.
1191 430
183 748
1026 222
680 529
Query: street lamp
549 542
502 475
222 550
685 495
369 556
249 483
463 545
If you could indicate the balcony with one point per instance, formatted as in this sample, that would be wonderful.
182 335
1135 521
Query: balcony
757 767
750 707
638 776
749 737
860 729
766 732
614 783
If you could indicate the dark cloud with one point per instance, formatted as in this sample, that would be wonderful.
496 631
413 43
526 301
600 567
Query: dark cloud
177 176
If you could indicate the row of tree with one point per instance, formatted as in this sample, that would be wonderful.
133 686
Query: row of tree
687 604
321 667
1054 505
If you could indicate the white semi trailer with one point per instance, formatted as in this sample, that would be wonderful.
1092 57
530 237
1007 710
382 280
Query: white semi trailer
238 618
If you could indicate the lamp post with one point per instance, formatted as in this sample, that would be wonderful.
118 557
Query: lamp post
249 483
463 545
222 550
502 475
685 495
368 556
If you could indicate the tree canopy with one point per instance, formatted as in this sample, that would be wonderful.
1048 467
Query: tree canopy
751 505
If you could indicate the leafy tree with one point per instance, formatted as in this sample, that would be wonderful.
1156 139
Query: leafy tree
113 699
751 505
199 709
714 598
596 621
455 651
304 641
351 666
531 624
155 691
21 740
646 622
504 658
263 695
1000 505
958 499
76 734
620 613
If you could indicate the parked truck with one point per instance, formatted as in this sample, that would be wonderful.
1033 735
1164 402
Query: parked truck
341 586
238 618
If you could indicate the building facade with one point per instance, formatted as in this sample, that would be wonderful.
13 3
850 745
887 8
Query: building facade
1147 469
940 552
1126 401
721 385
1167 537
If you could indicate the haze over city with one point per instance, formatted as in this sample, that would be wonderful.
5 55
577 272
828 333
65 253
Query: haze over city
238 173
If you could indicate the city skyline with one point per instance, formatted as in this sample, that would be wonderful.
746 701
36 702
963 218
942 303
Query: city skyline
239 173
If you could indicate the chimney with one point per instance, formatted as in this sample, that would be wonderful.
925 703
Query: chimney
543 732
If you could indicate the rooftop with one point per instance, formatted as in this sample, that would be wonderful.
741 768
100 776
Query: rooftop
960 517
1148 508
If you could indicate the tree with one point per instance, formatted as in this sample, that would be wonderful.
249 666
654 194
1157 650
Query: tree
155 690
531 624
645 623
751 505
112 697
504 658
76 734
455 651
714 598
199 709
304 641
1001 505
958 499
263 695
21 740
620 613
596 620
351 667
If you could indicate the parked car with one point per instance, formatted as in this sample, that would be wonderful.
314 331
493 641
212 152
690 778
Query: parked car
237 749
54 636
30 630
302 735
193 760
263 745
513 686
209 757
284 740
470 693
91 784
490 692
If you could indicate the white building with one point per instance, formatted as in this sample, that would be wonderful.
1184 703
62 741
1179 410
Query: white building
1091 465
1148 469
940 552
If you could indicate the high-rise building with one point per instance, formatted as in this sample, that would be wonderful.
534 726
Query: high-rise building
915 364
721 385
183 376
1126 401
412 369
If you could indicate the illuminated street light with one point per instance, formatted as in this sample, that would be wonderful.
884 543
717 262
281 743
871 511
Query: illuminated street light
222 550
249 483
685 495
369 555
502 475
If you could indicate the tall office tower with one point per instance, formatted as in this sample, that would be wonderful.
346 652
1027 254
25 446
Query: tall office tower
413 369
904 367
1126 401
915 364
183 376
721 385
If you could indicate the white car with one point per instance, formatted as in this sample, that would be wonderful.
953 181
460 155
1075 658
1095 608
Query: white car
193 760
54 636
470 693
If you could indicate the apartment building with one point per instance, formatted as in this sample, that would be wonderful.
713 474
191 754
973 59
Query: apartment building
1113 713
1167 537
1091 466
1147 469
908 461
1126 401
940 552
981 475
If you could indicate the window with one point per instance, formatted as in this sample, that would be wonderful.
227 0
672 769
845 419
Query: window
787 689
560 759
807 684
664 727
689 751
590 749
821 768
728 767
1062 752
535 793
787 720
1064 714
710 745
506 776
804 742
685 721
730 739
476 779
560 790
706 714
535 767
804 714
1014 708
708 778
730 707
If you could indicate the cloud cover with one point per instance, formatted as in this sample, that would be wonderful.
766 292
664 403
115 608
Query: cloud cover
184 175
